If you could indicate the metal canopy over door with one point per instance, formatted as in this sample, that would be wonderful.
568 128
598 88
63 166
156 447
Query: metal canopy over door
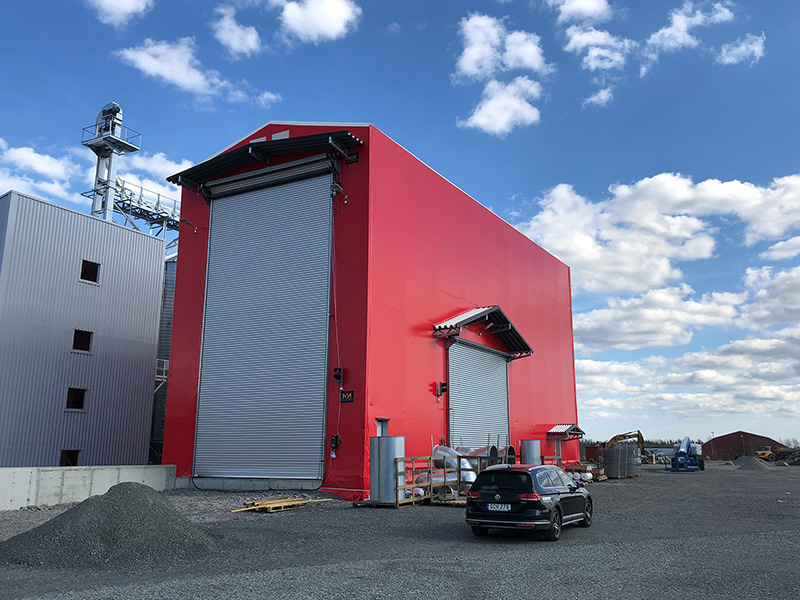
478 395
261 403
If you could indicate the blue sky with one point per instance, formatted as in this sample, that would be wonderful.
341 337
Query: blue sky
650 145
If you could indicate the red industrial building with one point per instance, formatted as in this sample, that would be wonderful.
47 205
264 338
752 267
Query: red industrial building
733 445
331 287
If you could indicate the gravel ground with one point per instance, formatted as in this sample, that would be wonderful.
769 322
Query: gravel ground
712 534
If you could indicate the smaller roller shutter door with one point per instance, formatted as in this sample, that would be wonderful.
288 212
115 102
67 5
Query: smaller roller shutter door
478 396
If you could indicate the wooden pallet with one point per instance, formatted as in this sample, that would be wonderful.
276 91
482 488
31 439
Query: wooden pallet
278 504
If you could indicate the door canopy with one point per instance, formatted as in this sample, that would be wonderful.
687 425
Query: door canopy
497 323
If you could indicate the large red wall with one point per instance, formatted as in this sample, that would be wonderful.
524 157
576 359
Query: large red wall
434 253
410 250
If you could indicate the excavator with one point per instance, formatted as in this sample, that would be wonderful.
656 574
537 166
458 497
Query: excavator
647 456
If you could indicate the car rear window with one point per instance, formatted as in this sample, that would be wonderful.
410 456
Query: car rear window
494 481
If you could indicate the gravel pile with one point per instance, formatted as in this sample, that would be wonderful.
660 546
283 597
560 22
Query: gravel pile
750 463
129 523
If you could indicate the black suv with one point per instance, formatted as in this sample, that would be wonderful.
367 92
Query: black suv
528 497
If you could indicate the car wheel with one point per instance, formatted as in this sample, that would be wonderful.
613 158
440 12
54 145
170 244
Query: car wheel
554 532
587 514
479 531
772 458
702 464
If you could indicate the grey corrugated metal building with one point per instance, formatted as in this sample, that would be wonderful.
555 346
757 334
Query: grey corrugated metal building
79 318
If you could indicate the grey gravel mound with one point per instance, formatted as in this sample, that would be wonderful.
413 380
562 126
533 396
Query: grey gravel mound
750 463
130 523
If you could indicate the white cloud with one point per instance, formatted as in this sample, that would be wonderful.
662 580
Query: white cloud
483 37
598 377
27 159
173 63
633 240
267 99
27 171
62 179
505 106
782 250
611 246
176 64
767 212
603 50
150 171
710 360
489 48
316 21
48 190
706 384
749 48
238 40
660 317
676 36
524 51
157 165
600 98
581 10
776 297
119 13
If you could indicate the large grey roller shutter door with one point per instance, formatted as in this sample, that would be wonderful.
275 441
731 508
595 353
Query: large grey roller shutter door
478 396
261 404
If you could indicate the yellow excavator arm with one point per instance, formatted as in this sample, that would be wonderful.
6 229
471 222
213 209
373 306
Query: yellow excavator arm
627 436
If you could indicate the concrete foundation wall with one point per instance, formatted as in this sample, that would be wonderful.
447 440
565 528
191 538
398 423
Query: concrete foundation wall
46 486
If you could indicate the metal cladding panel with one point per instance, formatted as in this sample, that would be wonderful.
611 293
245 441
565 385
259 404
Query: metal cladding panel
478 396
263 375
164 341
4 206
42 301
167 305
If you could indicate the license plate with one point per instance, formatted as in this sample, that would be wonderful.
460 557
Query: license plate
498 507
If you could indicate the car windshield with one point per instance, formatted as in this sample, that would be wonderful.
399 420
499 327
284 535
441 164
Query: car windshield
495 481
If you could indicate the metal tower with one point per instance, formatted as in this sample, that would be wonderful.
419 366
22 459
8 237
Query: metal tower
109 139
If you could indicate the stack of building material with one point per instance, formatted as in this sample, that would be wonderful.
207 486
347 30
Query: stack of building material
278 504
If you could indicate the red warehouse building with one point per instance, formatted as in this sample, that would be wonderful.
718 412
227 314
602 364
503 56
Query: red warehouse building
733 445
332 287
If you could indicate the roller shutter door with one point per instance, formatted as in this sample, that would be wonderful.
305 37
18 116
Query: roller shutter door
478 396
261 403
